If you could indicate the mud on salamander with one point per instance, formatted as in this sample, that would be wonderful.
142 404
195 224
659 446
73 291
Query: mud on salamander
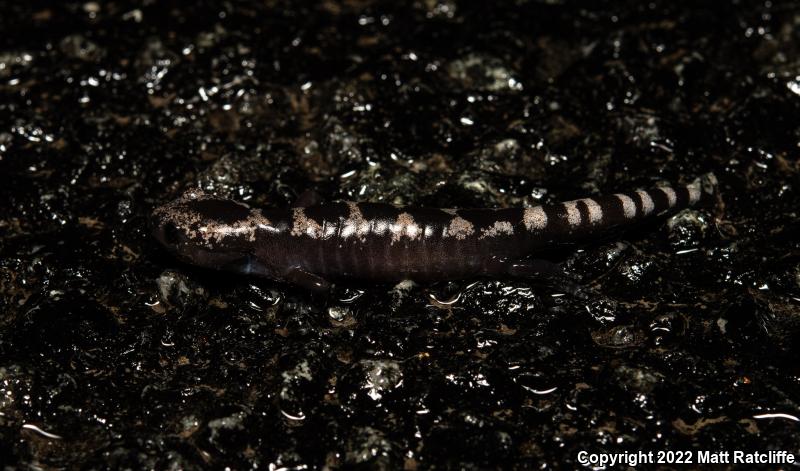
309 245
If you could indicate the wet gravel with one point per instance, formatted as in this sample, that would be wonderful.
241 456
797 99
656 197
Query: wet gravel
682 337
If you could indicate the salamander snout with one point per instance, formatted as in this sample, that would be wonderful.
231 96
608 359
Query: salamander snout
209 231
171 223
167 232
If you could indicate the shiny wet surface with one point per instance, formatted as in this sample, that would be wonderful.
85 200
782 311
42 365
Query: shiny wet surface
682 335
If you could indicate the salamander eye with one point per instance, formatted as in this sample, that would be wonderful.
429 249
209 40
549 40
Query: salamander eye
171 234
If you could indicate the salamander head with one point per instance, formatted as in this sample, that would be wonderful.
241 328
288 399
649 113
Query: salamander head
208 231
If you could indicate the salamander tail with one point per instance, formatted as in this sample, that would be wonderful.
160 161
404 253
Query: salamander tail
707 183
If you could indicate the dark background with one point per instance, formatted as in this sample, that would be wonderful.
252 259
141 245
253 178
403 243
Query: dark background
112 354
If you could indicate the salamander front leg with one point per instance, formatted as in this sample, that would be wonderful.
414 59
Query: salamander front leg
534 268
525 268
298 276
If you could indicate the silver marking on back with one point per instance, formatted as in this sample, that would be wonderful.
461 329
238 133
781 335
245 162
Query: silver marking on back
381 226
355 224
534 218
246 228
628 206
329 230
303 225
694 192
648 206
595 211
672 197
404 226
459 228
498 228
573 214
197 226
709 183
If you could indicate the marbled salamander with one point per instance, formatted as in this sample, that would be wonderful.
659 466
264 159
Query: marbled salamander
310 244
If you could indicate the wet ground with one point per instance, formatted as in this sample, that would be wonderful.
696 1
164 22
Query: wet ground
112 354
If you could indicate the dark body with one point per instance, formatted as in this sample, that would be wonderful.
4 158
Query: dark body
390 243
371 241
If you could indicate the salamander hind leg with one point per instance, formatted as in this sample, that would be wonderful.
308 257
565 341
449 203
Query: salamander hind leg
550 272
304 279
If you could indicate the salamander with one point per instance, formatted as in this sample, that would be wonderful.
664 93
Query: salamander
313 244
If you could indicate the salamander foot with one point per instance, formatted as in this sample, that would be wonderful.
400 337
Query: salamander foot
552 272
534 268
298 276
